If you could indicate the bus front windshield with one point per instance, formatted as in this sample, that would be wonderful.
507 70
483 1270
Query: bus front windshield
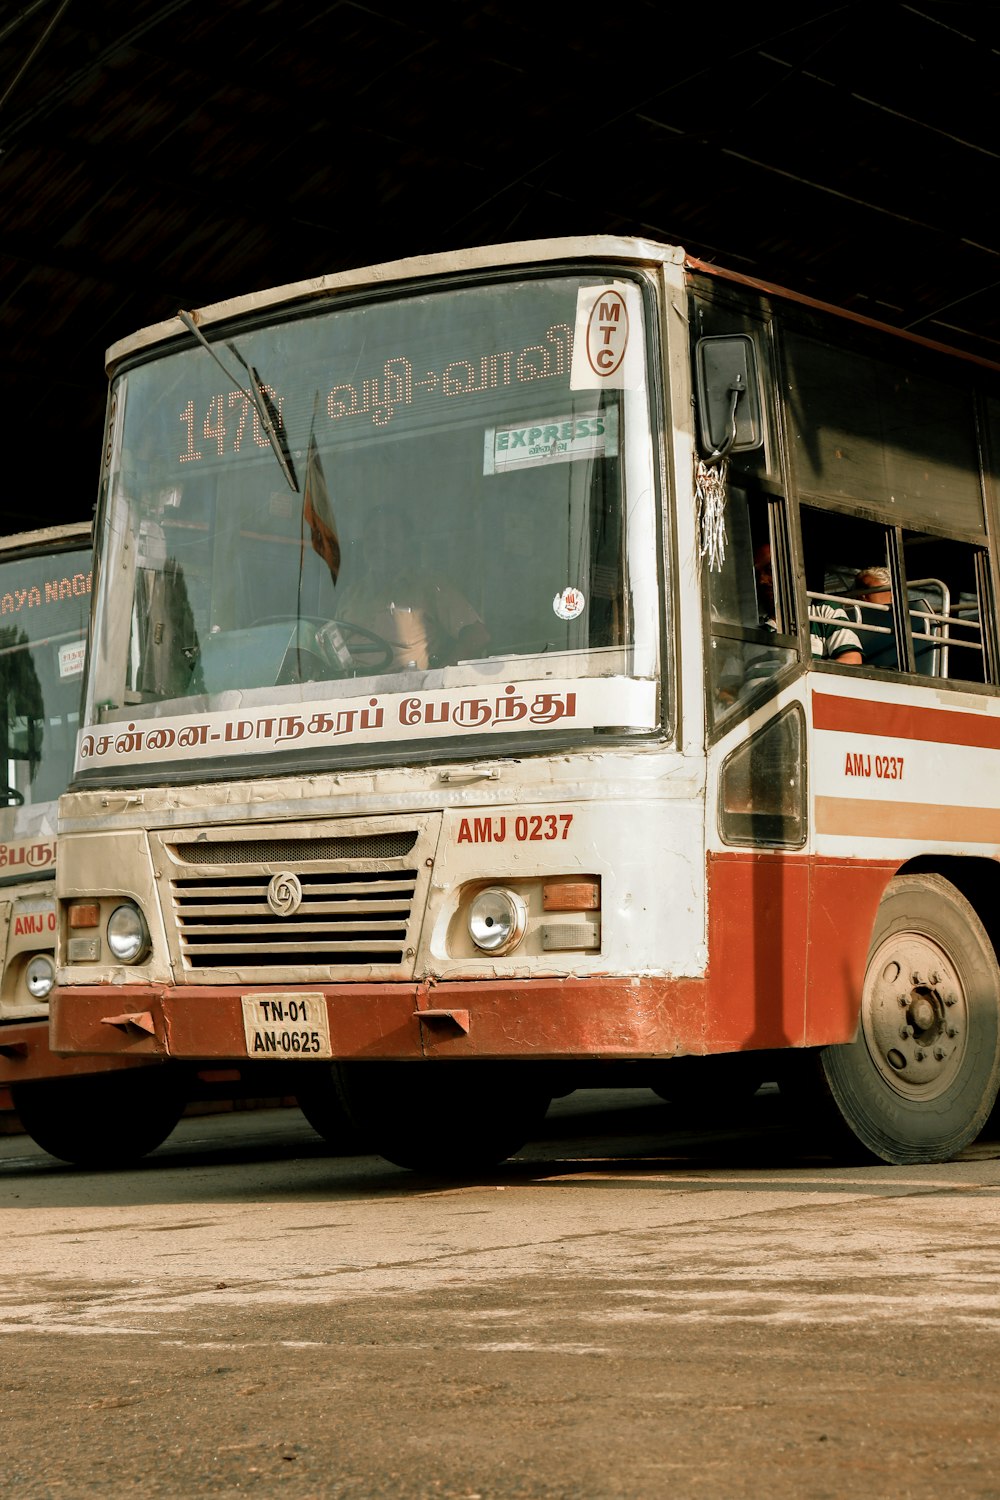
44 611
424 517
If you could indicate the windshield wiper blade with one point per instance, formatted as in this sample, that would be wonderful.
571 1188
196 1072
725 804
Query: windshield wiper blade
270 419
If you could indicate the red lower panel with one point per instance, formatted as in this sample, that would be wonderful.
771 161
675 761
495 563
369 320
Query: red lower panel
788 939
25 1055
758 908
788 942
842 909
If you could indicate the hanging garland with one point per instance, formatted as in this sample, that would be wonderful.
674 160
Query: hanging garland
710 490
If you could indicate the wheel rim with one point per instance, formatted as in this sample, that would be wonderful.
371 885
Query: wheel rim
915 1016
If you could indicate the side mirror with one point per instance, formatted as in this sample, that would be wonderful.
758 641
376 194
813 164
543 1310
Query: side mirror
729 397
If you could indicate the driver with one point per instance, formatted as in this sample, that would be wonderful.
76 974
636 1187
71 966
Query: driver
423 618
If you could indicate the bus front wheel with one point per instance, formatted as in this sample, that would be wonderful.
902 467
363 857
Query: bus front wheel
445 1119
102 1120
320 1100
709 1083
920 1079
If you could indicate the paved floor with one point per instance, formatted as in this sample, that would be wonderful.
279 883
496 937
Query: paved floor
637 1305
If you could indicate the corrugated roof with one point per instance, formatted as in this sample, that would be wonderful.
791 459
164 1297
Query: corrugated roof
164 153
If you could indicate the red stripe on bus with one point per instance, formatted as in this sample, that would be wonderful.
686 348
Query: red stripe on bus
905 722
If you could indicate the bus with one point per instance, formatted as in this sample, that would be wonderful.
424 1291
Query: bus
489 694
90 1111
69 1105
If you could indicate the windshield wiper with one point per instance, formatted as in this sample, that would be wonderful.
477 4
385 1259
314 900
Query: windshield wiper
270 418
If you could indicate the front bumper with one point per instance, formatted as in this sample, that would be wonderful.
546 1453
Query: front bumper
545 1019
26 1055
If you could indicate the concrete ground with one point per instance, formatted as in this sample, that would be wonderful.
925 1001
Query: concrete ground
637 1305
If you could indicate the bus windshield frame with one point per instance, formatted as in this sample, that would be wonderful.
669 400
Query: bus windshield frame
469 559
45 591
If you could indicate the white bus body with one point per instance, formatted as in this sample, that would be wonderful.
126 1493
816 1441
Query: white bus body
547 776
72 1104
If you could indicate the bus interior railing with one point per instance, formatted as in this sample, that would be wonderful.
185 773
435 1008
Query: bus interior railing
936 626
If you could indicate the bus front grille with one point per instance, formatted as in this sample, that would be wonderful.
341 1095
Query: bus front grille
344 918
286 851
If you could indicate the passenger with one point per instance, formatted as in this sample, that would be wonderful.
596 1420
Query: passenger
830 635
742 673
874 587
421 615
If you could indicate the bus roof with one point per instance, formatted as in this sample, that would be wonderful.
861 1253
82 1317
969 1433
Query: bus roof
48 539
485 257
706 268
481 257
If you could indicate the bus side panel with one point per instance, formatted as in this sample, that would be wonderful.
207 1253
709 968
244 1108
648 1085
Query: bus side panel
845 899
789 937
758 920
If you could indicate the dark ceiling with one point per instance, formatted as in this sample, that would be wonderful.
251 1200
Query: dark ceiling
157 154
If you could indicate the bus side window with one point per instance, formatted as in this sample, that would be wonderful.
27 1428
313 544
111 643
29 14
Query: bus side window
762 785
929 602
948 591
749 643
854 567
843 629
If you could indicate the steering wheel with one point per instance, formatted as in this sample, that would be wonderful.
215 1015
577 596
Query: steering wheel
287 620
11 797
351 650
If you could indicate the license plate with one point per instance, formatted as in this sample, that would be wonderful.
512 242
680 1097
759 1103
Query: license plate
286 1026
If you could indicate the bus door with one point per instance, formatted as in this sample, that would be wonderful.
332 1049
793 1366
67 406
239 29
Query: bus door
756 799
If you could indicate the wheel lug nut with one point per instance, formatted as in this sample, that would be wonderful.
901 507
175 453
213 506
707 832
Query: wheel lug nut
919 1056
953 1031
934 978
949 999
939 1054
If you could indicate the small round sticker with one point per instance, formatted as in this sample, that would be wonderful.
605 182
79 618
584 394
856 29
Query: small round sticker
569 604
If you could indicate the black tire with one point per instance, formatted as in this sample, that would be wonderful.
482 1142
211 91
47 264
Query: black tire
696 1083
321 1101
920 1080
107 1119
445 1119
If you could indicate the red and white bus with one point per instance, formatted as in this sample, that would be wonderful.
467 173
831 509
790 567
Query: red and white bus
73 1106
490 689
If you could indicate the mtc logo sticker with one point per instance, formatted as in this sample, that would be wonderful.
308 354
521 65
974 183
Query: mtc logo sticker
607 342
607 333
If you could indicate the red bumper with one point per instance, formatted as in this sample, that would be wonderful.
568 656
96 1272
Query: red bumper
537 1018
26 1055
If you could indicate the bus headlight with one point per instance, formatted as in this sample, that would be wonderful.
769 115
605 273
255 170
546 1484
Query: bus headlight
497 919
128 935
40 976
